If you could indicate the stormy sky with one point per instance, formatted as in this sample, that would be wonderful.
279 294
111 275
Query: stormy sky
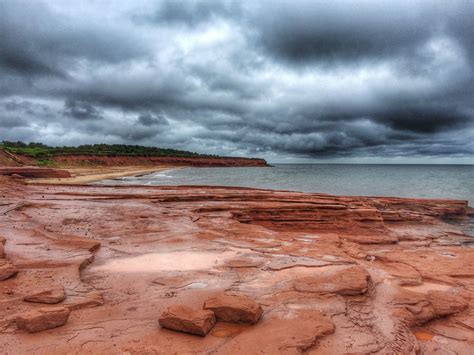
289 81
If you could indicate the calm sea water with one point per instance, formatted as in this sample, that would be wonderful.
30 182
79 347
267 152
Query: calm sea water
425 181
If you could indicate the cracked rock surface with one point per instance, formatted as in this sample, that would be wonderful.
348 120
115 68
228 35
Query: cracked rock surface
332 274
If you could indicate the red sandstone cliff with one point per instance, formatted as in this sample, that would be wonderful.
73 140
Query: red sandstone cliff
65 161
89 160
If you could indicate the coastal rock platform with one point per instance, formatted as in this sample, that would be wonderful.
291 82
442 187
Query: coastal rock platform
332 274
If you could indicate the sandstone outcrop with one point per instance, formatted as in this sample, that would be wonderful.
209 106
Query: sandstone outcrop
188 320
50 296
334 274
42 319
234 308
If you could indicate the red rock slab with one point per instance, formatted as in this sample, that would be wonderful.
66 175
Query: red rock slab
351 280
281 336
43 319
7 269
50 297
33 172
234 308
187 320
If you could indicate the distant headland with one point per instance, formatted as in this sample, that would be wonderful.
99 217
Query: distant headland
100 155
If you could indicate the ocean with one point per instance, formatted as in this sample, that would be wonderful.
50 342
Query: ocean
423 181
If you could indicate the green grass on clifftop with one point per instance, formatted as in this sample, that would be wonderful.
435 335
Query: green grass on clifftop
44 152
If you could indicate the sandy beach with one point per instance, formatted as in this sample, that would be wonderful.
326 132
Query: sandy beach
92 174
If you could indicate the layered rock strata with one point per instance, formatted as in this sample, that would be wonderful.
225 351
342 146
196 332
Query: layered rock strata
332 274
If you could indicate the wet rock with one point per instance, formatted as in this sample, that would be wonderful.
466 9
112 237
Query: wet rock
445 303
188 320
43 319
352 280
234 308
51 296
7 269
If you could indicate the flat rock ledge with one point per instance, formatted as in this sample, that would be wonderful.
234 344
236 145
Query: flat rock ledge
234 308
49 297
352 280
188 320
43 319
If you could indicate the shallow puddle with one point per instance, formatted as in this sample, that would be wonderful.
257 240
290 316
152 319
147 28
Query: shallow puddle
422 335
172 261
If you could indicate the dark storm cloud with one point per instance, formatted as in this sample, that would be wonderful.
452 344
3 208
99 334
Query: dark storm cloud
35 40
193 13
81 110
345 31
292 79
149 119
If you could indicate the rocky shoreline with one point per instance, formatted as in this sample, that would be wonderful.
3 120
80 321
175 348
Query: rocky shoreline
92 269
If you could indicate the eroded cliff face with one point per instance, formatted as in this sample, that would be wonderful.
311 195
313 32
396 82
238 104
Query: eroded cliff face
87 160
333 274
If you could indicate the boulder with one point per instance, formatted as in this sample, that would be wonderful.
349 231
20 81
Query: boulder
42 319
7 269
445 303
51 296
351 280
188 320
233 308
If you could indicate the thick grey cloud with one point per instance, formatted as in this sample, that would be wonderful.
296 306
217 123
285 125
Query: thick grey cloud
283 80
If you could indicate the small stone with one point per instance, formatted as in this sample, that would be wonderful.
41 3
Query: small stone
42 319
235 309
51 296
188 320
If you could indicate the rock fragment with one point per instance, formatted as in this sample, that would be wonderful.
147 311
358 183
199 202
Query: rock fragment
50 297
7 269
234 308
188 320
445 303
43 319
